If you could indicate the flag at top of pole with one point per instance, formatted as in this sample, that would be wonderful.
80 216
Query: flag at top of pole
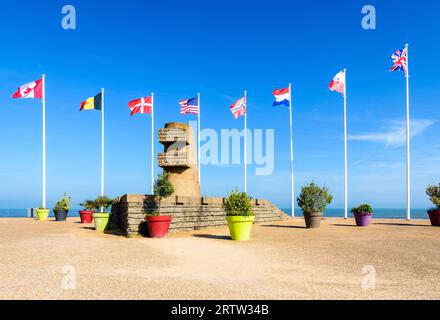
401 63
339 84
36 90
146 106
192 106
239 109
97 103
283 97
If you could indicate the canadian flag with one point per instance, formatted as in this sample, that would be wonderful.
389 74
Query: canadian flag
31 90
142 105
338 83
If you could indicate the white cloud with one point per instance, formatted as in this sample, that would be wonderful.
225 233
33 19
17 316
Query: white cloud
394 134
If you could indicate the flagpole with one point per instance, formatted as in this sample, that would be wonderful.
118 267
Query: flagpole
291 151
199 135
152 143
44 141
245 143
102 144
345 150
408 142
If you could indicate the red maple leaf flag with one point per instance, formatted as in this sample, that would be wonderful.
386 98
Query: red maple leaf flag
142 105
31 90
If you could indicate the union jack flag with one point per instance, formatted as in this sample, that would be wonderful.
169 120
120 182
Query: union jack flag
400 59
238 109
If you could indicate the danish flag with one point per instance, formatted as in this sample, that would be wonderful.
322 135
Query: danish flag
31 90
142 105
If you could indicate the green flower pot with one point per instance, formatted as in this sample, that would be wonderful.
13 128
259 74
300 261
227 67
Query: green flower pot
240 227
102 221
43 214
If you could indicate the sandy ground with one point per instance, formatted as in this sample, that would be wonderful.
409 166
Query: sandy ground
51 260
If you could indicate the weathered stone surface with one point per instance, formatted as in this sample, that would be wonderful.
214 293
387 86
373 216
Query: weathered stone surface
179 159
194 214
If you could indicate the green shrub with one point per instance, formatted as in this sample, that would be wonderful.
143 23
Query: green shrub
88 205
163 188
314 199
433 192
102 203
365 208
238 204
64 203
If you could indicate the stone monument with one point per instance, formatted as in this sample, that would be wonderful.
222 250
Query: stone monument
179 159
190 211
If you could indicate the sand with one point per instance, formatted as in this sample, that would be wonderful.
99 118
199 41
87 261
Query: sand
52 260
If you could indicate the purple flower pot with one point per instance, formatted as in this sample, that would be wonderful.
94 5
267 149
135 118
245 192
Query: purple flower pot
434 215
363 219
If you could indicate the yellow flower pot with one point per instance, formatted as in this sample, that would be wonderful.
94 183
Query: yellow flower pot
241 227
43 214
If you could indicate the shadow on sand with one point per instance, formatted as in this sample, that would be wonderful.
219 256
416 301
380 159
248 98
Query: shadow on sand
281 226
397 224
212 236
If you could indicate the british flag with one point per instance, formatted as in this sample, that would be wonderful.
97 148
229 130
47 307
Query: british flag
400 59
238 109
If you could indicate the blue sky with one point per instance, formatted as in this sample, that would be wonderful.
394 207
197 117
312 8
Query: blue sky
220 48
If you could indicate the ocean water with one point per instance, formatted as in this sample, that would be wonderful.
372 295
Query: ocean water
331 213
22 213
378 213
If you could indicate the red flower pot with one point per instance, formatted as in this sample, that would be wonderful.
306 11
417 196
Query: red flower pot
159 226
86 216
434 215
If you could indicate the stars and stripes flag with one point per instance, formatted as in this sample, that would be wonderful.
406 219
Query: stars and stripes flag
141 106
239 109
338 83
189 106
400 59
282 97
31 90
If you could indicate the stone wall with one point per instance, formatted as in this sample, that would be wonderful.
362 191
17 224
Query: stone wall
188 213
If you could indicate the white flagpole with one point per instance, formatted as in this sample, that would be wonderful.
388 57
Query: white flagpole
345 149
408 142
102 145
152 143
199 135
245 143
291 151
44 141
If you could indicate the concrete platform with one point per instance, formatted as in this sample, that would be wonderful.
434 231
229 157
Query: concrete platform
50 260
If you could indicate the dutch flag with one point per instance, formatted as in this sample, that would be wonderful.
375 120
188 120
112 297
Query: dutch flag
282 97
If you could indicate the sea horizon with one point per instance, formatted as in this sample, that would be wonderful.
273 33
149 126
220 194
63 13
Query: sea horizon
381 213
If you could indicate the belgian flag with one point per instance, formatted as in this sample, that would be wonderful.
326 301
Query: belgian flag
94 103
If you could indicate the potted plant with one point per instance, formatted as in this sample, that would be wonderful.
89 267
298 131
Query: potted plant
158 224
86 215
43 214
313 201
239 214
363 215
62 207
433 193
102 219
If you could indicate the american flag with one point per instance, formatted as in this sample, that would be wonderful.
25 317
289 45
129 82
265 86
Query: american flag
142 105
189 106
400 59
238 109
